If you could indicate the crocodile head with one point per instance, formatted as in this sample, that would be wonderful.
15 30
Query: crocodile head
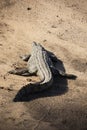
37 46
34 44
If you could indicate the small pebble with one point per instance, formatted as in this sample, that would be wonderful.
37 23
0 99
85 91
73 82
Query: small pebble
28 8
29 80
53 26
1 87
44 40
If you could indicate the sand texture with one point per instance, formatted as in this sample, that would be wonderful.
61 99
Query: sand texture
61 27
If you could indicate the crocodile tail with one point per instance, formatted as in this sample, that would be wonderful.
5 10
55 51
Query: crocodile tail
37 87
31 89
24 92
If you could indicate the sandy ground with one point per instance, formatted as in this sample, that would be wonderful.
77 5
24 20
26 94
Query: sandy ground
61 27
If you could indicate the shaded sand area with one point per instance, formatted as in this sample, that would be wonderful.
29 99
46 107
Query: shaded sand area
61 27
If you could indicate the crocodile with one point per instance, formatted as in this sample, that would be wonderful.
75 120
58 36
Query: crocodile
40 62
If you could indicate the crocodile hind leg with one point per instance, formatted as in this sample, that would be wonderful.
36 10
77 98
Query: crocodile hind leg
61 73
21 72
64 74
25 57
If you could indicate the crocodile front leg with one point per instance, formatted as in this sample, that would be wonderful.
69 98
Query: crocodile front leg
25 57
21 72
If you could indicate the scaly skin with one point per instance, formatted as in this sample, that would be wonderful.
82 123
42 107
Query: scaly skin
40 62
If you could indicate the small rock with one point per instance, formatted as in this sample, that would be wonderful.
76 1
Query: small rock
29 80
28 8
1 87
57 16
44 40
49 31
53 26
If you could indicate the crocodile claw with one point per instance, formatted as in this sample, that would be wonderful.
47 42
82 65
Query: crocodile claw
12 72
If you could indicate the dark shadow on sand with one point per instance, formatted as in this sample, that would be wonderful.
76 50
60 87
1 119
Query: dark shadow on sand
59 87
